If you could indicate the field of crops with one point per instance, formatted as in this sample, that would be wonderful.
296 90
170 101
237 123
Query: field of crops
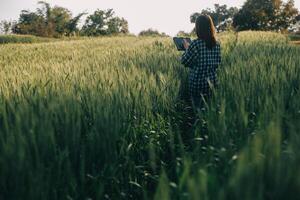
106 118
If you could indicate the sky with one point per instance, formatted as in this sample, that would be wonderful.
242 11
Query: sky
169 16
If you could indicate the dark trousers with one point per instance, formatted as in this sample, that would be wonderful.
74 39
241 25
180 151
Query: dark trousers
199 101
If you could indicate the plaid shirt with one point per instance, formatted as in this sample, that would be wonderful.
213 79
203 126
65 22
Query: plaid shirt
203 64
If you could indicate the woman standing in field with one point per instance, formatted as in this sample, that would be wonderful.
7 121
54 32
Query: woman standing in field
202 56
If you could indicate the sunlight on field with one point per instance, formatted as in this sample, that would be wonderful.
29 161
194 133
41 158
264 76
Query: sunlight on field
102 118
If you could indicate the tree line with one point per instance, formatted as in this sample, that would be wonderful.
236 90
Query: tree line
265 15
47 21
57 21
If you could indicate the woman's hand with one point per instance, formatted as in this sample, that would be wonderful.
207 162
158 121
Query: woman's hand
186 44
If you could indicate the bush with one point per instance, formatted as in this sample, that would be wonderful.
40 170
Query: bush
295 37
152 32
6 39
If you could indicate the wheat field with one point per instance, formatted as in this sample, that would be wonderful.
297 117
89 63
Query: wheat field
105 118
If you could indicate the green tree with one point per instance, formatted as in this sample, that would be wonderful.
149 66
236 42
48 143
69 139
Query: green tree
60 17
72 25
265 15
220 15
29 23
47 21
95 24
117 25
288 15
124 26
6 26
104 22
55 19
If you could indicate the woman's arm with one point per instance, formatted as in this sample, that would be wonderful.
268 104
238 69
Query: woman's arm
188 57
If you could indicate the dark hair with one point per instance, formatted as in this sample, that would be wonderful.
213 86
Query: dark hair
205 30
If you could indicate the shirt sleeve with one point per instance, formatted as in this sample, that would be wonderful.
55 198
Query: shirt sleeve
189 56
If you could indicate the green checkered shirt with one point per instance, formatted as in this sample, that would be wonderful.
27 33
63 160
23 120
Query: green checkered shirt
203 63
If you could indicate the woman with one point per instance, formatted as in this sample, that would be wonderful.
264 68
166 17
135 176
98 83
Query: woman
202 56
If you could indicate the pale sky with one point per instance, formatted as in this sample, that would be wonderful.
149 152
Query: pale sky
169 16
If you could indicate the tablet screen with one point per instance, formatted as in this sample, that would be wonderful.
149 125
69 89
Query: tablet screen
179 42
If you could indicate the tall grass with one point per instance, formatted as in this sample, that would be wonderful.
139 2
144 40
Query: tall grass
104 119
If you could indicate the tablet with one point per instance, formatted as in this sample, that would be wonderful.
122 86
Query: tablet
179 42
